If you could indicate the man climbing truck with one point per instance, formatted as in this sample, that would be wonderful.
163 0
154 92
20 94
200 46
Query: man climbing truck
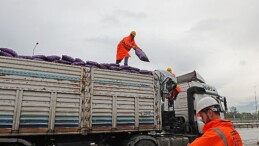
46 104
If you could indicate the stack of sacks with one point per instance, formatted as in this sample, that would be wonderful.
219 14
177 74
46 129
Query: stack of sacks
65 59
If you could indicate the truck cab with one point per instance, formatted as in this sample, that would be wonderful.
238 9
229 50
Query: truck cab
193 88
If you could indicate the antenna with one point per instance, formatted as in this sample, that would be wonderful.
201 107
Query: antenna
35 48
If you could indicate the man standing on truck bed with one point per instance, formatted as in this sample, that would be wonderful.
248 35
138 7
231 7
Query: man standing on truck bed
217 132
124 47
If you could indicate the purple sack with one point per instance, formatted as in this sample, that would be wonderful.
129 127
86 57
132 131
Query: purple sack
92 63
133 71
91 66
125 67
38 59
113 64
125 70
24 57
9 51
43 57
115 68
78 60
134 68
68 58
145 72
79 63
141 55
52 58
2 53
103 66
63 62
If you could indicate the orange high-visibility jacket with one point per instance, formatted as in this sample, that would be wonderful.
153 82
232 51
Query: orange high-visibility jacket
124 47
218 133
174 92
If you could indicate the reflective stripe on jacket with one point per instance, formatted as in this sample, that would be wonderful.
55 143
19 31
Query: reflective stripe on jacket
218 133
124 47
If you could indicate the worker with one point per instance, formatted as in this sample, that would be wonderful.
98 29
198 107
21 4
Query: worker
217 132
169 69
176 90
124 47
174 93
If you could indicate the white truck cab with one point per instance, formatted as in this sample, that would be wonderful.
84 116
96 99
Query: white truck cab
193 88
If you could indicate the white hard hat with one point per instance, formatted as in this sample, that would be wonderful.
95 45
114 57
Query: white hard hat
204 103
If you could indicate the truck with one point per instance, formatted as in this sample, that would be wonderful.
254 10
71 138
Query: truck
47 104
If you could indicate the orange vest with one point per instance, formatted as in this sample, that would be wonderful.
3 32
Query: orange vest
218 133
174 92
124 47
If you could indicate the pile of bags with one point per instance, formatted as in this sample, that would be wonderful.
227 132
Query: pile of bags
65 59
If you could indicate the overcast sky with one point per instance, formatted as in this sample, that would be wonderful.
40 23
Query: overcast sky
217 38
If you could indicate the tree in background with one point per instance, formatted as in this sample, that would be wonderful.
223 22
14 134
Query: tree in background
233 114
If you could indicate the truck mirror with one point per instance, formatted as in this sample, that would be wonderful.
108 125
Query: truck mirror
225 104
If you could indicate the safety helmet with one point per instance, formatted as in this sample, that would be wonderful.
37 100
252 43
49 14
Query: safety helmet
133 33
204 103
169 69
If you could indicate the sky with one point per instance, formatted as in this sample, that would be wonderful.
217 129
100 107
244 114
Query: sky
217 38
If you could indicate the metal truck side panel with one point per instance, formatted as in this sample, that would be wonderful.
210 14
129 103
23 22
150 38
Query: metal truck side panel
67 112
7 109
37 75
122 101
44 98
39 97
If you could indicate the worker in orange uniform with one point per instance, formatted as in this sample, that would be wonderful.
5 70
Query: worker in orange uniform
124 47
217 132
169 69
176 90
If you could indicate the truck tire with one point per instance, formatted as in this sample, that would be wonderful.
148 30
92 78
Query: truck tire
145 142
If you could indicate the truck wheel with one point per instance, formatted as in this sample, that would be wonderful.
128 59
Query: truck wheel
145 143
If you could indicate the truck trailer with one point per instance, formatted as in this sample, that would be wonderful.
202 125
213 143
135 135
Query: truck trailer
47 104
